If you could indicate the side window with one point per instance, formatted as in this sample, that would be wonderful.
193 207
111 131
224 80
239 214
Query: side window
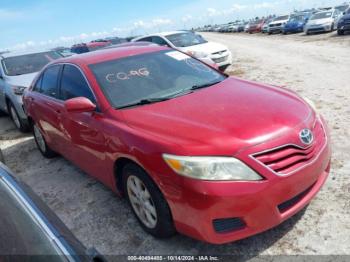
160 41
49 81
73 84
37 85
146 39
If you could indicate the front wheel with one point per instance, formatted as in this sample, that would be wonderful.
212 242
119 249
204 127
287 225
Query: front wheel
147 202
19 123
340 32
44 149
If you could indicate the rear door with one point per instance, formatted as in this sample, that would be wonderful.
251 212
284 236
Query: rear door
46 107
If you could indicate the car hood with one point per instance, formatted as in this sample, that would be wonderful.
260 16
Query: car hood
21 80
278 22
320 21
208 48
223 118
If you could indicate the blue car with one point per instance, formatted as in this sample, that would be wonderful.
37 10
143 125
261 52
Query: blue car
296 23
344 23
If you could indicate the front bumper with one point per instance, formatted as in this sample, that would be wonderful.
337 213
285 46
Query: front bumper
257 204
222 60
318 29
293 29
275 29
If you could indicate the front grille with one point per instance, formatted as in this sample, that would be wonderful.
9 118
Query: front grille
293 201
316 29
228 224
219 53
221 59
289 158
279 24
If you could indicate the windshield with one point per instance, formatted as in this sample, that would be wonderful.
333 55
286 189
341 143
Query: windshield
186 39
21 234
321 15
280 18
152 76
297 18
342 8
27 64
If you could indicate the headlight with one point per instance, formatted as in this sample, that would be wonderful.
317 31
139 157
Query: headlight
211 168
18 90
198 55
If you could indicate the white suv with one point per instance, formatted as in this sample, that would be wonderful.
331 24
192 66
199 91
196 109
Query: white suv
193 44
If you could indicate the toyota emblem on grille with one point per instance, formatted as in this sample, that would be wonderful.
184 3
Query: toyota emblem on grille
306 136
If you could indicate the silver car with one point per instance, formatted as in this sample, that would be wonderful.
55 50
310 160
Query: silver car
17 71
324 21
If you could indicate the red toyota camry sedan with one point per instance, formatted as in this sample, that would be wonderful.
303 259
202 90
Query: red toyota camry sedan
194 151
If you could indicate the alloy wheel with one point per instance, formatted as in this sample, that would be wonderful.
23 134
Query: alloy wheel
141 201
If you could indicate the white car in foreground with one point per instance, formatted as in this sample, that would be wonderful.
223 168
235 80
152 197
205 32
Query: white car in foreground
325 21
193 44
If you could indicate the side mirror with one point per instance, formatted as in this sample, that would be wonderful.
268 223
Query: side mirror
79 105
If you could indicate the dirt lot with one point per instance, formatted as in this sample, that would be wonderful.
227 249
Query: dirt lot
317 67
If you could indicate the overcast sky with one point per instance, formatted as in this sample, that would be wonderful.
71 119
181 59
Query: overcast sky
26 24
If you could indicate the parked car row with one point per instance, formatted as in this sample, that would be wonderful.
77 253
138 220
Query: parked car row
309 21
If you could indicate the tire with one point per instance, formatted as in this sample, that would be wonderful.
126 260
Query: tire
20 124
2 159
332 28
340 32
307 33
139 188
40 142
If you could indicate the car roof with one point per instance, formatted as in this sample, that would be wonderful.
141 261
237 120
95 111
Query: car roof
104 55
165 33
325 11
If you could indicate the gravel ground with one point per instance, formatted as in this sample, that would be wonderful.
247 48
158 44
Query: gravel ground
317 67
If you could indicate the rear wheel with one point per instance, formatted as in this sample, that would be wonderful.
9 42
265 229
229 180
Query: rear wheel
44 149
147 202
19 123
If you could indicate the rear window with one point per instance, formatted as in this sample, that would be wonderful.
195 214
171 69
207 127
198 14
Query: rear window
27 64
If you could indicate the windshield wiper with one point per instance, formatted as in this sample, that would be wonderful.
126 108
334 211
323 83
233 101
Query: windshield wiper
145 102
195 87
